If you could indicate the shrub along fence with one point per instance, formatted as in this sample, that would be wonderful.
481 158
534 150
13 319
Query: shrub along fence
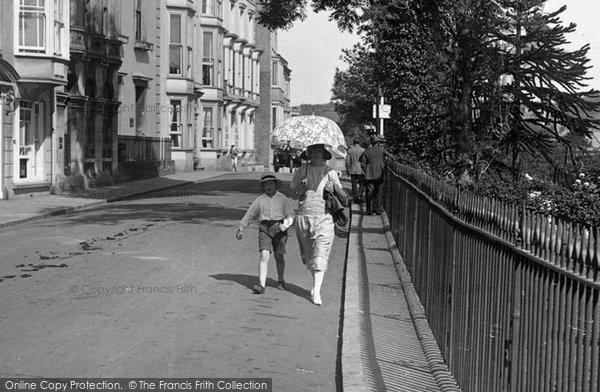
511 296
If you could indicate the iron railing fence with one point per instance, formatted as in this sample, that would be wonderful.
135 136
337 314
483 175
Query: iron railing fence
512 297
144 148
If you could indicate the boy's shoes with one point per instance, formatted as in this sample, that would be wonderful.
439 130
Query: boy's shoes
315 299
258 289
281 285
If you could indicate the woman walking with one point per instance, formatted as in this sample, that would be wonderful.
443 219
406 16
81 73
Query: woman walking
314 226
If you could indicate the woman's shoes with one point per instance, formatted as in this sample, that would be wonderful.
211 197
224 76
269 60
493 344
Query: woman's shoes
315 299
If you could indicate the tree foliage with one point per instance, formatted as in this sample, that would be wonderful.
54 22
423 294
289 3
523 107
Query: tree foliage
477 86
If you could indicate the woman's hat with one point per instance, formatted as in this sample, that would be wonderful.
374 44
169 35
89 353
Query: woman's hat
268 177
326 153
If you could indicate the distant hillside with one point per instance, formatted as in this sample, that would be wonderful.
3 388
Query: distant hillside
324 110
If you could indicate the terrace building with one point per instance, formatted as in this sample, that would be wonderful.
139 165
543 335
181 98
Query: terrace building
230 80
97 91
274 108
34 61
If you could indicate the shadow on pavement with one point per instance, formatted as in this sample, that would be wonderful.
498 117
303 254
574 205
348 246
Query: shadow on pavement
122 189
341 232
219 187
249 281
190 213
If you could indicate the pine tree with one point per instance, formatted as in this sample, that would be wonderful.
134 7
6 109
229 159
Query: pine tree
543 102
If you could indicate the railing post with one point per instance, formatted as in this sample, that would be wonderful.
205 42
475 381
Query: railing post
453 285
513 346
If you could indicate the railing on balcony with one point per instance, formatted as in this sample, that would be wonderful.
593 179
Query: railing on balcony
512 297
144 148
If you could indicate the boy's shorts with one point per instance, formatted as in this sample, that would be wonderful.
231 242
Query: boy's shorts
271 238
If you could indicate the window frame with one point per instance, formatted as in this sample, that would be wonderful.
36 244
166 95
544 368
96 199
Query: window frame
139 19
208 58
52 39
274 74
177 122
141 95
173 44
208 138
41 13
190 30
59 28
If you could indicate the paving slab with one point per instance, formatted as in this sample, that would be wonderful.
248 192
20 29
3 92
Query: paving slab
377 317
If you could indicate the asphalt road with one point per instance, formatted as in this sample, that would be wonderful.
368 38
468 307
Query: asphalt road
159 287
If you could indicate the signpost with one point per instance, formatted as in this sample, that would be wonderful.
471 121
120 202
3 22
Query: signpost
381 112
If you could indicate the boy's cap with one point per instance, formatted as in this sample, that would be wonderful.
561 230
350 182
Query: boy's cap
268 177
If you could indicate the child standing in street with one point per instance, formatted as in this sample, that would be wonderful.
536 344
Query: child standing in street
275 212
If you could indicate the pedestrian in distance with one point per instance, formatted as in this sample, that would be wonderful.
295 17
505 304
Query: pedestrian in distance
287 148
355 171
373 162
314 226
275 212
233 154
289 155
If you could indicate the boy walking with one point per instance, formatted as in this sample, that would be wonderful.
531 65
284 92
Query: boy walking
275 212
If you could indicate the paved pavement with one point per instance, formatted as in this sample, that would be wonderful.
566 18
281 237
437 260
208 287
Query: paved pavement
384 345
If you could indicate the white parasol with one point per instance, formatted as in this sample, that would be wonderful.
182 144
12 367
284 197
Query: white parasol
302 131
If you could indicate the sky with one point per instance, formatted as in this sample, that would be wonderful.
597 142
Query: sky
313 48
585 14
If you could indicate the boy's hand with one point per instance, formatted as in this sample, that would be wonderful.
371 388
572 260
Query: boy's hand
329 187
283 227
238 234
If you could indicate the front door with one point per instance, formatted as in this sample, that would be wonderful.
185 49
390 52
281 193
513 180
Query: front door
30 163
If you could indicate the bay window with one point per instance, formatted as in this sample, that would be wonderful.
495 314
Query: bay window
207 59
188 141
59 27
208 129
212 8
189 43
175 47
32 26
41 27
181 44
176 130
181 131
208 7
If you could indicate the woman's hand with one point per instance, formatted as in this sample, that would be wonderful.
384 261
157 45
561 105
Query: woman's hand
301 189
328 187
